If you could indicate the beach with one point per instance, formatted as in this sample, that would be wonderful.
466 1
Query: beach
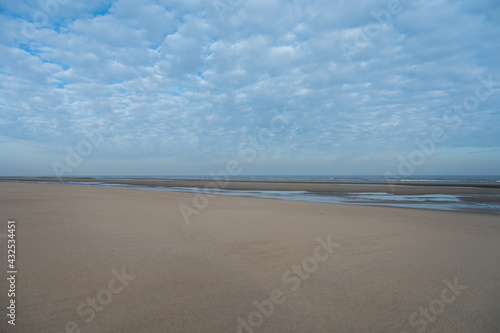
93 259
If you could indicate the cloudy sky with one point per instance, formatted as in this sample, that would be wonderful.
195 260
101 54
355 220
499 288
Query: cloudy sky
181 87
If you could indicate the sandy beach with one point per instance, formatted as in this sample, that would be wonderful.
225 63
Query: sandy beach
95 259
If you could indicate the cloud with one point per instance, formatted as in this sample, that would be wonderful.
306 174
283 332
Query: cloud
179 83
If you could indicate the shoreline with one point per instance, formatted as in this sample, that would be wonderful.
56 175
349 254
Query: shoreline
462 197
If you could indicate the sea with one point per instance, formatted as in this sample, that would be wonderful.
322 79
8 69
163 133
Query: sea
342 178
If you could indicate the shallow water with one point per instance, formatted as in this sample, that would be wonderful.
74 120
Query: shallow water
427 201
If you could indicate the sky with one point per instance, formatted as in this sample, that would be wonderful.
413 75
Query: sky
277 87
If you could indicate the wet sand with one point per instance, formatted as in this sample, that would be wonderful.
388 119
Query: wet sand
124 260
323 187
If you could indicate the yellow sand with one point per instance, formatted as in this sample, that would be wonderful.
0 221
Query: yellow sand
390 263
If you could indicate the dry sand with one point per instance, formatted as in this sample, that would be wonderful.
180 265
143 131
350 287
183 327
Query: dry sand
206 275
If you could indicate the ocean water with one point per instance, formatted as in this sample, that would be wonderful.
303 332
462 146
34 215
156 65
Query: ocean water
467 179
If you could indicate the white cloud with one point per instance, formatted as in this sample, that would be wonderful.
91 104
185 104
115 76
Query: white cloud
179 83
